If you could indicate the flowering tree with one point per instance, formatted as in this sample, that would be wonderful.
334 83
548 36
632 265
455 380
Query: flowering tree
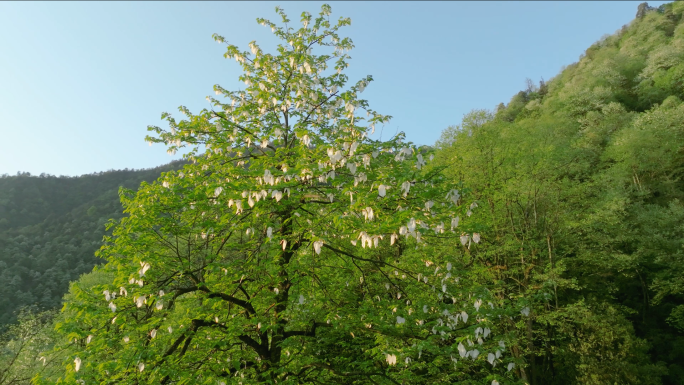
294 249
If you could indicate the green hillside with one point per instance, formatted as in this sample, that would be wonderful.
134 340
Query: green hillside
50 228
582 179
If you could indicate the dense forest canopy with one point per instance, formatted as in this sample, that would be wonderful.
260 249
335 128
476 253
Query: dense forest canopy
50 228
575 187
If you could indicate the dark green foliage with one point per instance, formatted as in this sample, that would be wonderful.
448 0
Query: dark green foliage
50 228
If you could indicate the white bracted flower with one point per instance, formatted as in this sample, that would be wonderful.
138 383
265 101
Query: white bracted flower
382 190
391 359
144 266
317 246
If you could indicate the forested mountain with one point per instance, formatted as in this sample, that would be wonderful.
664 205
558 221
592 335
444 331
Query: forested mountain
50 228
577 193
581 178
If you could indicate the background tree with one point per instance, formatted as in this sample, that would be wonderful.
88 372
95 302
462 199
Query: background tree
26 349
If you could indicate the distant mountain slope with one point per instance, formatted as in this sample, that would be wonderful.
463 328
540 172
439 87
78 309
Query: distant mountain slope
50 228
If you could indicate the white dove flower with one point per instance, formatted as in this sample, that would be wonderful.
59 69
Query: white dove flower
269 232
393 238
112 306
144 267
277 195
123 291
90 338
491 358
141 366
525 311
464 239
449 266
461 350
391 359
139 301
317 246
77 364
405 187
170 329
107 296
474 353
412 225
382 190
478 303
400 320
284 244
368 213
495 382
497 353
126 339
302 300
464 316
159 305
511 366
153 333
476 237
454 222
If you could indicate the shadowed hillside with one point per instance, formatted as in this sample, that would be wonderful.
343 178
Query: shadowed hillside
50 228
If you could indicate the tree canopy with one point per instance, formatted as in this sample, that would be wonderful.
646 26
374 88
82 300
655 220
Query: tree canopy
294 249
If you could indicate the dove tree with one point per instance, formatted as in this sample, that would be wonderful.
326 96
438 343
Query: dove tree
293 248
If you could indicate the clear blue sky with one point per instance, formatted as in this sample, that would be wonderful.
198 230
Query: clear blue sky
80 81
